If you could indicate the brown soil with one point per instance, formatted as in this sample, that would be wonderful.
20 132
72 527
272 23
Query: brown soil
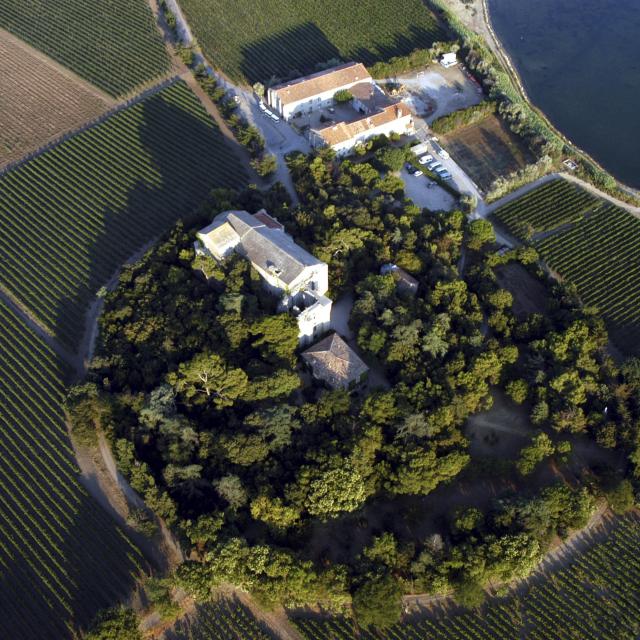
487 150
529 295
40 99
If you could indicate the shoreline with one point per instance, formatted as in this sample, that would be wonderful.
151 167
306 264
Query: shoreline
477 18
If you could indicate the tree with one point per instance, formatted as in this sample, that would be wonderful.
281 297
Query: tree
517 390
342 96
273 512
266 165
207 377
118 623
420 472
230 488
326 492
540 448
377 602
391 158
479 233
621 498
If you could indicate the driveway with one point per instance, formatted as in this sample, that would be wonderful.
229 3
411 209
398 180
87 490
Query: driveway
434 198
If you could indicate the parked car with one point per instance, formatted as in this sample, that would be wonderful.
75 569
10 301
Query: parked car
425 159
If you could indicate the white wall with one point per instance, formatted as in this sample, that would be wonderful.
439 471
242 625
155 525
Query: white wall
400 125
314 321
314 103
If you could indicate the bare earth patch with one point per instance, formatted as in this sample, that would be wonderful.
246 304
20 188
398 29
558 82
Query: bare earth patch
487 150
39 100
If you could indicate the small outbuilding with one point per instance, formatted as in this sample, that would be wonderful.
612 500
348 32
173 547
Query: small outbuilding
405 281
333 362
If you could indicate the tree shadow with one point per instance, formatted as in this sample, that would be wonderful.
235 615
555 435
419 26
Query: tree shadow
185 157
304 48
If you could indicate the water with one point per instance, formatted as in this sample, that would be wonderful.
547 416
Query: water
580 63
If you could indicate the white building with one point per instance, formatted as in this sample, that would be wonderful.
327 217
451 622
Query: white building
343 136
449 60
290 272
316 91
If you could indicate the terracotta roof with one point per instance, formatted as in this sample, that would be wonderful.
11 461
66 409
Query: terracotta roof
343 131
335 362
268 220
371 96
309 86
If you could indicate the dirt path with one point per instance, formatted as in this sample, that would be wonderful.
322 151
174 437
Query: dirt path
276 621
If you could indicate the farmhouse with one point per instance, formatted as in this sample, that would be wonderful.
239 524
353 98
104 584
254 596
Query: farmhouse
369 112
343 136
316 91
290 272
333 362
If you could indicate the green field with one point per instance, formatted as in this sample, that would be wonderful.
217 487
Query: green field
265 38
114 44
221 620
61 556
544 209
595 597
590 243
70 217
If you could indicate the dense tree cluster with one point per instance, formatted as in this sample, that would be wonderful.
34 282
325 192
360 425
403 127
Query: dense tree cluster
197 382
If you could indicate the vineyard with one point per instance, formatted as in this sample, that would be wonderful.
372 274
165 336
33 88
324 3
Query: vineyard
61 556
258 40
39 100
589 243
71 216
114 44
595 597
221 620
600 256
545 209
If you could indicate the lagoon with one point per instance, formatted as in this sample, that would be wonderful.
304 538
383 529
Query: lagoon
579 61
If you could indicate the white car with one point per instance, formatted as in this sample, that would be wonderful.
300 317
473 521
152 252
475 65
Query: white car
425 159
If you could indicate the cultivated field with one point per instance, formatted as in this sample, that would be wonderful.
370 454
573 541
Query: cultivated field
40 100
71 216
61 557
545 209
114 44
256 40
588 242
221 620
487 150
595 597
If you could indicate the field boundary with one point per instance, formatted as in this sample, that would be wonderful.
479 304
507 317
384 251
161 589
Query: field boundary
60 68
121 106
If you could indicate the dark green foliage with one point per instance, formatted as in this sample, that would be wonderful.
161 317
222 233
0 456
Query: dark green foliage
377 602
257 42
118 623
594 595
115 45
463 117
